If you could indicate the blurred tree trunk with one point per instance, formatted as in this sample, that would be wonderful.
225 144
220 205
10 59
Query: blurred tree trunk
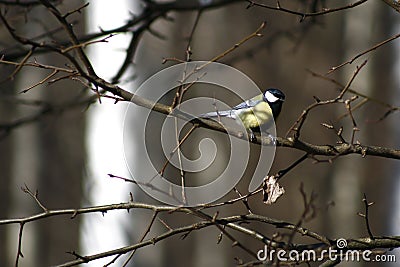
381 179
7 111
7 155
61 158
19 159
347 176
61 168
352 178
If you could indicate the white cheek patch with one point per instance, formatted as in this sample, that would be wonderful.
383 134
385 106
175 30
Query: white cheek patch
270 97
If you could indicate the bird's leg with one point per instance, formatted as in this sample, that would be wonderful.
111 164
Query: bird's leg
252 132
252 136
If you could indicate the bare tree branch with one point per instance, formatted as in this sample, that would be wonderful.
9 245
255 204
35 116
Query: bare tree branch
325 11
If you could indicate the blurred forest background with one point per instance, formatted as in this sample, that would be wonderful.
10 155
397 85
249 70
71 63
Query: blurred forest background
45 132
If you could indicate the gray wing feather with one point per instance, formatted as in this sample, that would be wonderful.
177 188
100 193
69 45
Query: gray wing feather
224 113
233 112
247 104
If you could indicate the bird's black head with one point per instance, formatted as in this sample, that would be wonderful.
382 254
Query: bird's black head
275 99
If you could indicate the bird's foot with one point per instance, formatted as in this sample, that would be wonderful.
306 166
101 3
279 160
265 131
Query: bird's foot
252 136
272 138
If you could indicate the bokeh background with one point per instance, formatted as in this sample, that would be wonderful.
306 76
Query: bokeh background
66 153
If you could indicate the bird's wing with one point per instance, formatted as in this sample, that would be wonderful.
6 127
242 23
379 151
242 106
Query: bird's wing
223 113
232 113
247 104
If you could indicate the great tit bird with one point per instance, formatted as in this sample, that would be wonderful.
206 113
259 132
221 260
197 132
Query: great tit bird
255 113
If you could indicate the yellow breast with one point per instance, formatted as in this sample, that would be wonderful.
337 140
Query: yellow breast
260 114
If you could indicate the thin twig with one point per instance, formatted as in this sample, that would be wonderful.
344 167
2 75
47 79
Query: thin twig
244 200
76 10
281 173
145 184
48 77
188 46
296 127
85 44
363 53
71 34
366 215
256 33
19 249
167 161
152 220
21 64
26 190
325 11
